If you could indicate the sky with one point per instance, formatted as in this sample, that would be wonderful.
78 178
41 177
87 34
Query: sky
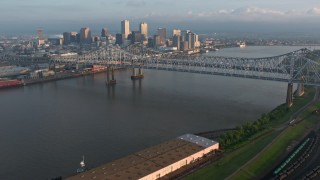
245 15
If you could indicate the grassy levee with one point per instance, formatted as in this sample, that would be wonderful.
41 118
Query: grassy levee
236 156
271 155
232 161
298 103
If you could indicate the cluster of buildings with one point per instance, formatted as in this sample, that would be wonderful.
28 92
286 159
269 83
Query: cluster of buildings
179 40
84 37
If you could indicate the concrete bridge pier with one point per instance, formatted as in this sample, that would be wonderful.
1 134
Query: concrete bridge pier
112 81
134 74
289 100
300 89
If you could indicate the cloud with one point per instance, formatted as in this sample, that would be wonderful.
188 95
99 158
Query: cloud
256 11
135 3
314 11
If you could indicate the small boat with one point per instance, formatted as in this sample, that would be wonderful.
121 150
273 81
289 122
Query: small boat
82 167
242 45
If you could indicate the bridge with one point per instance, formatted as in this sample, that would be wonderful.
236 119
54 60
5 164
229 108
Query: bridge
301 66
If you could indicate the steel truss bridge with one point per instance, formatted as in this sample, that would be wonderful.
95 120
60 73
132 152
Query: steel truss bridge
301 66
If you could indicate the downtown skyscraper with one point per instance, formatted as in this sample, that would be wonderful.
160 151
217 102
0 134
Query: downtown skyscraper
85 35
125 28
144 29
162 33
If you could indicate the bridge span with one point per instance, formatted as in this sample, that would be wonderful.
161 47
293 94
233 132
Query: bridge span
301 66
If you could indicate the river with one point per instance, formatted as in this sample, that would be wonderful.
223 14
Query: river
46 128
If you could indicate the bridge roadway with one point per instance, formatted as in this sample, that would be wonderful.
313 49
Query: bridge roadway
293 67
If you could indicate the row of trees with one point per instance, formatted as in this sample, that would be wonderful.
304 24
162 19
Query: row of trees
247 130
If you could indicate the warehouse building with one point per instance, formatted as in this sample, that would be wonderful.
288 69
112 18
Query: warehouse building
154 162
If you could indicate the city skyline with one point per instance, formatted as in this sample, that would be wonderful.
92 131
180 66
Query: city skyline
214 14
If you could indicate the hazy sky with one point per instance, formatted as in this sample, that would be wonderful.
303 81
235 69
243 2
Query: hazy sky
70 14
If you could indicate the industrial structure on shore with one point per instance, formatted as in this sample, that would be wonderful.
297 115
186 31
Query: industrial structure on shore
154 162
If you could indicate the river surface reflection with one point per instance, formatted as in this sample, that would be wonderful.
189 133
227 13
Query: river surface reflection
46 128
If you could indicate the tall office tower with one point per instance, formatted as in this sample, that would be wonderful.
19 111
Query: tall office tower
150 42
156 41
125 28
73 36
85 35
120 38
144 30
176 32
78 38
189 40
184 34
40 36
136 36
66 38
195 40
104 32
176 41
162 33
184 45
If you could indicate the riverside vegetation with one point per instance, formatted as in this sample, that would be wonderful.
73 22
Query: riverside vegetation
247 140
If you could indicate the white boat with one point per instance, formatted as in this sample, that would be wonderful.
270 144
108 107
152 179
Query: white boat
242 45
82 166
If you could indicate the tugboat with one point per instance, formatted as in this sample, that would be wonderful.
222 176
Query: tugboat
82 167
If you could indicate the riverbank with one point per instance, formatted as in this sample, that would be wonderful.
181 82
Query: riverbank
60 76
234 159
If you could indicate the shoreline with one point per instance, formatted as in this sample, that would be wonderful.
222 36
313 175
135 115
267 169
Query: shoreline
27 82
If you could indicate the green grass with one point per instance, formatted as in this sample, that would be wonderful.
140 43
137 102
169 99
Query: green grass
247 150
224 167
271 155
298 103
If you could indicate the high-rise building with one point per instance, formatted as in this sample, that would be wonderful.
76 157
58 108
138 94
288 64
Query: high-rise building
144 30
73 37
120 38
184 45
40 37
195 40
104 32
176 41
150 42
136 36
162 33
189 39
85 35
125 28
78 38
184 34
156 41
66 38
55 40
176 32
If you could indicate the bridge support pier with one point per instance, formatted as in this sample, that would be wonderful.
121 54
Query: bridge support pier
112 81
134 74
300 89
289 100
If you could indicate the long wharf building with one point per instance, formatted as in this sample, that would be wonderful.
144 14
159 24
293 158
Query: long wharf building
154 162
